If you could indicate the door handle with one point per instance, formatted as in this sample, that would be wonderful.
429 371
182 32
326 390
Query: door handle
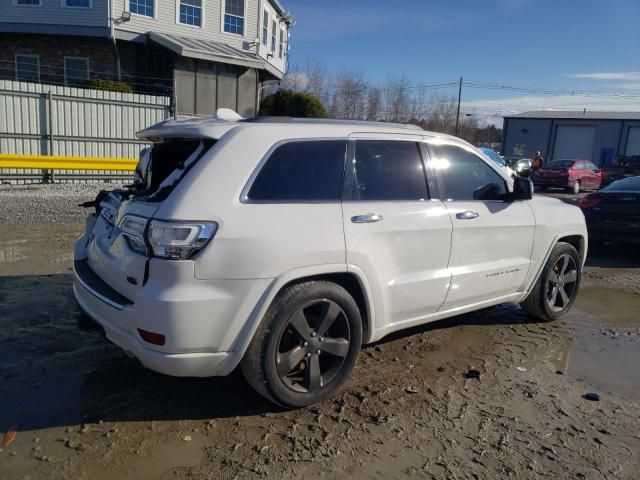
467 215
367 218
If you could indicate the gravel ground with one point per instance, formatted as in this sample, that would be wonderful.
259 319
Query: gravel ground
82 409
27 204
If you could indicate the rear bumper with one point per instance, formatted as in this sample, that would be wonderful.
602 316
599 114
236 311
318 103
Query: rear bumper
202 321
176 364
560 182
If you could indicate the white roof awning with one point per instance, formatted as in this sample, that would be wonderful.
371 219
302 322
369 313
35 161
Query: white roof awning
207 50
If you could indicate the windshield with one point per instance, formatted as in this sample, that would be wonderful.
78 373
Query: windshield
631 183
493 156
560 164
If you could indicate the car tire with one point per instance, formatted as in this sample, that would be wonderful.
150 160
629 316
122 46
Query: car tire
294 335
575 188
558 285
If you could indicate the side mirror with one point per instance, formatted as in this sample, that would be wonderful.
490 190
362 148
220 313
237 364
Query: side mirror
522 189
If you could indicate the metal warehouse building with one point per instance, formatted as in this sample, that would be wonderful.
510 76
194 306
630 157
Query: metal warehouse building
597 136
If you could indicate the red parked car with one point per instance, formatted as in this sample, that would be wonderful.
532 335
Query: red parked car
572 175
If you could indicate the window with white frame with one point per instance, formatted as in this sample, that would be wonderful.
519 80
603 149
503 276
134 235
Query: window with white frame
191 12
273 36
281 44
28 3
142 7
76 70
265 28
27 68
234 16
77 3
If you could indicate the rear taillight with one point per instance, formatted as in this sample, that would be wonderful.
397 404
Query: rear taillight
179 241
132 228
589 202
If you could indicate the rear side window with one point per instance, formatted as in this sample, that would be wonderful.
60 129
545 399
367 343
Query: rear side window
388 170
305 170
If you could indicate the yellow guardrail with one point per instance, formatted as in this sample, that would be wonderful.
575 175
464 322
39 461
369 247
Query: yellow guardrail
46 162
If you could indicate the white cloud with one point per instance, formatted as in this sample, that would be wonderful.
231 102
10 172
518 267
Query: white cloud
628 76
629 86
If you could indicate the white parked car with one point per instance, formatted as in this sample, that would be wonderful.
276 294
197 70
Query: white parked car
284 245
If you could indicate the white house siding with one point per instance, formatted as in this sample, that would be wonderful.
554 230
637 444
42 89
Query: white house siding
166 21
53 13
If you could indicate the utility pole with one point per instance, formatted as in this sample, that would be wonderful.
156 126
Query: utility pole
459 98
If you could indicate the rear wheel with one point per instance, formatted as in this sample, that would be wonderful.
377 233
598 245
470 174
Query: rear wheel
575 188
306 345
557 288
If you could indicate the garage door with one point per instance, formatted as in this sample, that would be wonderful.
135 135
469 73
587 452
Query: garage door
633 142
573 142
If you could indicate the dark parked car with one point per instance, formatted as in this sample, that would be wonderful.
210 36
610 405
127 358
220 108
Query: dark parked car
623 168
522 166
613 213
572 175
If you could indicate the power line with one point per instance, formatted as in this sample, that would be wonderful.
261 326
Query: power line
552 92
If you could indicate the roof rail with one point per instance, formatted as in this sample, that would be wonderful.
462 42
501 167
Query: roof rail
329 121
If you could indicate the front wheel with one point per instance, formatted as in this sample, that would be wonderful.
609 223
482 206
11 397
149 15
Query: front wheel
305 346
557 288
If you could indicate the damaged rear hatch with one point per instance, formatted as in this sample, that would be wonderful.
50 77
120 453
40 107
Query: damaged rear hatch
116 247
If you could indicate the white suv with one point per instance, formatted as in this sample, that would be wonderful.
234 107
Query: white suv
283 245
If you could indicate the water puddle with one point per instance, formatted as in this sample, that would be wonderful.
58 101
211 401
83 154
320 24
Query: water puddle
42 249
605 350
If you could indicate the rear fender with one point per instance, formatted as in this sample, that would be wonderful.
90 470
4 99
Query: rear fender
299 274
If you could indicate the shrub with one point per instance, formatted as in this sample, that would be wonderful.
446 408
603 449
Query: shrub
287 103
111 85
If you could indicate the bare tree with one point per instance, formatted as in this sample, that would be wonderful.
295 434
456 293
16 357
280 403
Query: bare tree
396 99
440 114
310 77
349 94
374 104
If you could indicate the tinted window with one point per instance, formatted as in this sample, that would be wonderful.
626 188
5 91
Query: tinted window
388 170
462 175
590 166
309 170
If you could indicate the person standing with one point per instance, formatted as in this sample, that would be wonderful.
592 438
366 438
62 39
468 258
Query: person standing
537 161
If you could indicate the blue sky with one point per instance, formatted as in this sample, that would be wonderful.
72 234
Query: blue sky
569 45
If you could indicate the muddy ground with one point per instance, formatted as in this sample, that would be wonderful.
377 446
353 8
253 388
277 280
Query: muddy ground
83 410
